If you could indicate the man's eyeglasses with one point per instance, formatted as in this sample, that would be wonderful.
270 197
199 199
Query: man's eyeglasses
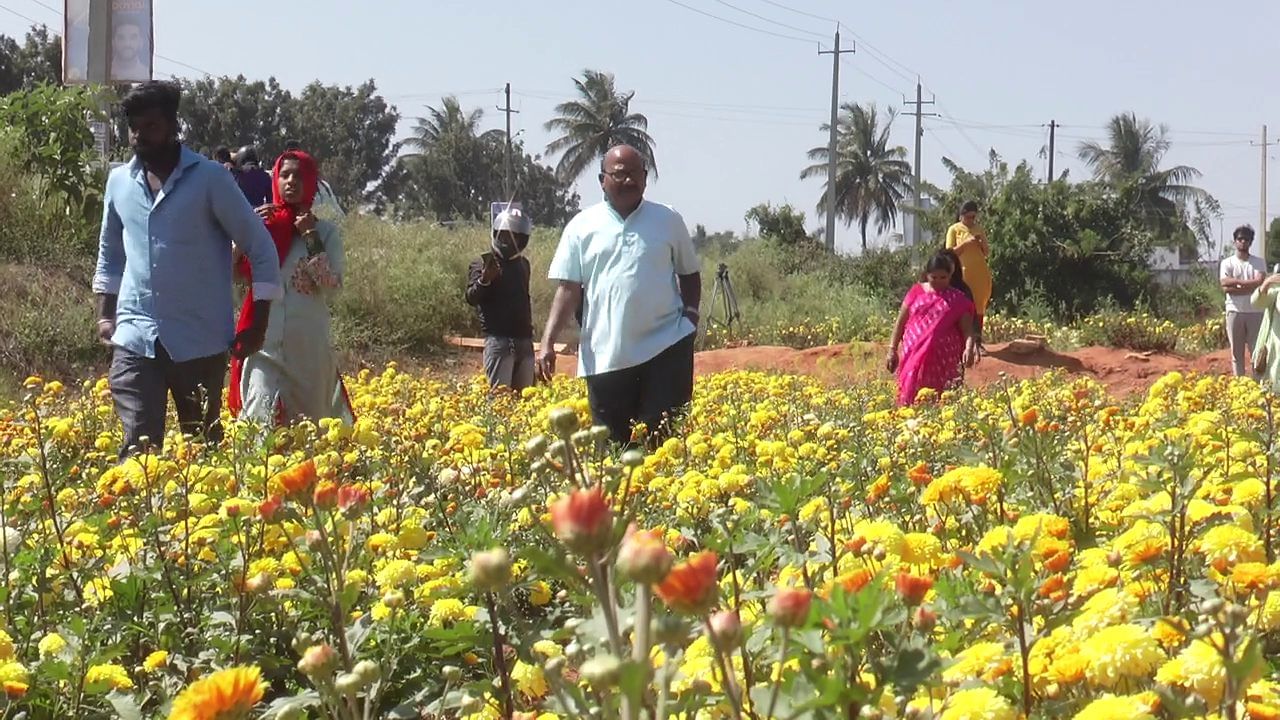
625 175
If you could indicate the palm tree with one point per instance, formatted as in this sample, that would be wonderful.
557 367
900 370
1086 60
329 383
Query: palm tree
599 119
1132 157
450 121
871 177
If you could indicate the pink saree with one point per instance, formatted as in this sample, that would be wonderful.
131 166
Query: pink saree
932 342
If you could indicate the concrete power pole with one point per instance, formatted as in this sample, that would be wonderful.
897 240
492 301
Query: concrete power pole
1053 127
1262 217
919 114
832 149
506 168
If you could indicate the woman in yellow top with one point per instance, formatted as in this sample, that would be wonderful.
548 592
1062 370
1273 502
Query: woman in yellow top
969 241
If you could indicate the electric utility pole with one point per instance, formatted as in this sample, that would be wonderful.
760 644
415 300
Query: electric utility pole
832 149
1053 128
506 169
919 114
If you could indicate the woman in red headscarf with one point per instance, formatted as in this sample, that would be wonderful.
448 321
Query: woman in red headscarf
295 375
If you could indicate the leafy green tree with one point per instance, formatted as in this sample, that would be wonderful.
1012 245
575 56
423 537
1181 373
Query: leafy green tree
456 170
1064 249
57 145
872 177
233 112
1164 198
350 130
597 120
784 223
37 60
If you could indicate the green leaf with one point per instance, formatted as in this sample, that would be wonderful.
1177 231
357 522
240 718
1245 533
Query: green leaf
125 706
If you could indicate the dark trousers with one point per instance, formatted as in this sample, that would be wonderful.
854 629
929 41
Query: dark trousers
655 393
140 387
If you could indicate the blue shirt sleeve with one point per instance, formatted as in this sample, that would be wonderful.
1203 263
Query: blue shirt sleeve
110 269
249 235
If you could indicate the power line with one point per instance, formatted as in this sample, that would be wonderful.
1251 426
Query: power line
768 20
28 18
741 25
48 7
873 78
799 12
185 65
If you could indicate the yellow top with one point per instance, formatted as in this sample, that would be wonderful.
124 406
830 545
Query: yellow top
973 260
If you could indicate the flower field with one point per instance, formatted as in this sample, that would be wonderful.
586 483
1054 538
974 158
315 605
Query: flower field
1030 550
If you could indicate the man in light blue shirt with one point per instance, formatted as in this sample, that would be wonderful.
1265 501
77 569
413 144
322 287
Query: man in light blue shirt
636 264
163 278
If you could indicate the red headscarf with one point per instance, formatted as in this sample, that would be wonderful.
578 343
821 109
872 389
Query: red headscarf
280 225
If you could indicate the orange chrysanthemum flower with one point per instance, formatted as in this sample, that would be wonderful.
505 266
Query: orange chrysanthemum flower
690 587
222 695
298 478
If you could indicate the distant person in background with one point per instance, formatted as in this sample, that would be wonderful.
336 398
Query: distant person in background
935 336
1266 352
969 241
295 374
128 54
170 219
634 262
222 156
1241 274
254 182
498 287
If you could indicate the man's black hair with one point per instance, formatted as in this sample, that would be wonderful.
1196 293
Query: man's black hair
222 154
1244 231
153 95
968 207
292 145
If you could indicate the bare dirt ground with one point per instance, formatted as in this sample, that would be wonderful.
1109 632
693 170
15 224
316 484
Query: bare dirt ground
1122 371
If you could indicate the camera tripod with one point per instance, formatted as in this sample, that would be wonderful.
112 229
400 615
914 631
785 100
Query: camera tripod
724 299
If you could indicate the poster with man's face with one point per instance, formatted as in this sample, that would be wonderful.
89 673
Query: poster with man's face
130 41
107 41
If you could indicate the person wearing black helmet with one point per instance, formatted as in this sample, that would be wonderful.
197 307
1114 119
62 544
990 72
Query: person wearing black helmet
254 182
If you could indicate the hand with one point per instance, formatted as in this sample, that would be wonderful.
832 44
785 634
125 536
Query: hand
492 270
1270 282
891 362
692 315
249 340
266 211
971 354
545 362
305 223
106 328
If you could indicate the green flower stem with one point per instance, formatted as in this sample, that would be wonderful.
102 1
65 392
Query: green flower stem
777 684
640 644
499 658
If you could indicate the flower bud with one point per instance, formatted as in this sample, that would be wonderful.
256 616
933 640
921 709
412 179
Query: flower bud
912 588
351 500
644 557
726 630
581 439
348 683
602 671
318 661
451 673
790 606
325 495
924 619
393 599
536 447
582 520
671 630
563 421
470 704
491 569
632 458
368 671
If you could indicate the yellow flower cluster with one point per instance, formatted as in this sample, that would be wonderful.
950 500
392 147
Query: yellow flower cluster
1055 551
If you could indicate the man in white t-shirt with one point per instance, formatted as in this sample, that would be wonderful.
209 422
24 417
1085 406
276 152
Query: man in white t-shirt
637 267
1241 274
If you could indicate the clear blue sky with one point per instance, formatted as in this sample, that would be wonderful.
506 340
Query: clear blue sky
1000 70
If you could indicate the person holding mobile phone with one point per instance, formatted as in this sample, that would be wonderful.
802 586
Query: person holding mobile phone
498 287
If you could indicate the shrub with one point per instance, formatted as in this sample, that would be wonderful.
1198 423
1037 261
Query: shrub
47 323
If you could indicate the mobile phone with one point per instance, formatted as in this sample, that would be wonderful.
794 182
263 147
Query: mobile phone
1275 268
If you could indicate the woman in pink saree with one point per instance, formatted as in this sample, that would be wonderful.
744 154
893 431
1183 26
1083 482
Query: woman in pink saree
935 337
